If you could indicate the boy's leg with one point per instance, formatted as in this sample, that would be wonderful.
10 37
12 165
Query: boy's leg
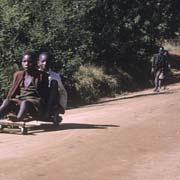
165 82
25 107
6 107
159 84
156 82
53 99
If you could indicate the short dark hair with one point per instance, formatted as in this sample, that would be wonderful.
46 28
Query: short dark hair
46 54
30 54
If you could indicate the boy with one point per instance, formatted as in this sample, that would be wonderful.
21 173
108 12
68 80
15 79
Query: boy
29 90
58 94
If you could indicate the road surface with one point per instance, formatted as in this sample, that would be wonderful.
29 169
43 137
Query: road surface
134 137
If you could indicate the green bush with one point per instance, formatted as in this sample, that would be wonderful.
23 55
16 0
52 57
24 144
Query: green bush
6 76
91 83
124 79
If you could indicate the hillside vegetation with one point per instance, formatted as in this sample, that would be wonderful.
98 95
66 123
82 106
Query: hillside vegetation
99 48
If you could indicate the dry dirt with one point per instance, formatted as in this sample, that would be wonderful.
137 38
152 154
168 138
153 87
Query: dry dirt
135 137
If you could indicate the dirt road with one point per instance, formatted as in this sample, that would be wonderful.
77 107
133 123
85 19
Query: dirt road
136 137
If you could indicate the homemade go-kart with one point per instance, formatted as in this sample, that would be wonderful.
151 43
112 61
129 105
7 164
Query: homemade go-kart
29 122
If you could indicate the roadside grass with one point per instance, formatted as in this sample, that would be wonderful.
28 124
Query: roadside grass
91 83
173 46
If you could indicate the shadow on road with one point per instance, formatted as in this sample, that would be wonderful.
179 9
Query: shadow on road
131 97
69 126
65 126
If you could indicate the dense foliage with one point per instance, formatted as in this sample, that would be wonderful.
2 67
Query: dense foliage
77 32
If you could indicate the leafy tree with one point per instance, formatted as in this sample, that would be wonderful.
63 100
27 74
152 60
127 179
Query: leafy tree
76 32
122 27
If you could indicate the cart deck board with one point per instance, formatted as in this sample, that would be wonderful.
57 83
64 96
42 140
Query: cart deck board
23 127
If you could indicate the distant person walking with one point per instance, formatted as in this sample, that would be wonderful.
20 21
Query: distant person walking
159 66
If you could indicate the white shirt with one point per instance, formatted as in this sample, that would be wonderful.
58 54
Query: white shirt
62 91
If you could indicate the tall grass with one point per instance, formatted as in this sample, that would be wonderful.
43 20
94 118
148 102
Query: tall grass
91 83
172 46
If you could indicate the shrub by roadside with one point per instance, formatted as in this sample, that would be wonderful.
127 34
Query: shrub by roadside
92 82
6 78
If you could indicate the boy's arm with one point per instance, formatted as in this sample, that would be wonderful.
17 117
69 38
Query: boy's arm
63 95
11 90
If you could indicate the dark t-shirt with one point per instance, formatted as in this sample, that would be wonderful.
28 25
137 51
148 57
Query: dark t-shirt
159 62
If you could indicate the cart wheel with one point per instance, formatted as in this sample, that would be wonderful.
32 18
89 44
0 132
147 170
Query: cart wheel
1 127
24 130
57 120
